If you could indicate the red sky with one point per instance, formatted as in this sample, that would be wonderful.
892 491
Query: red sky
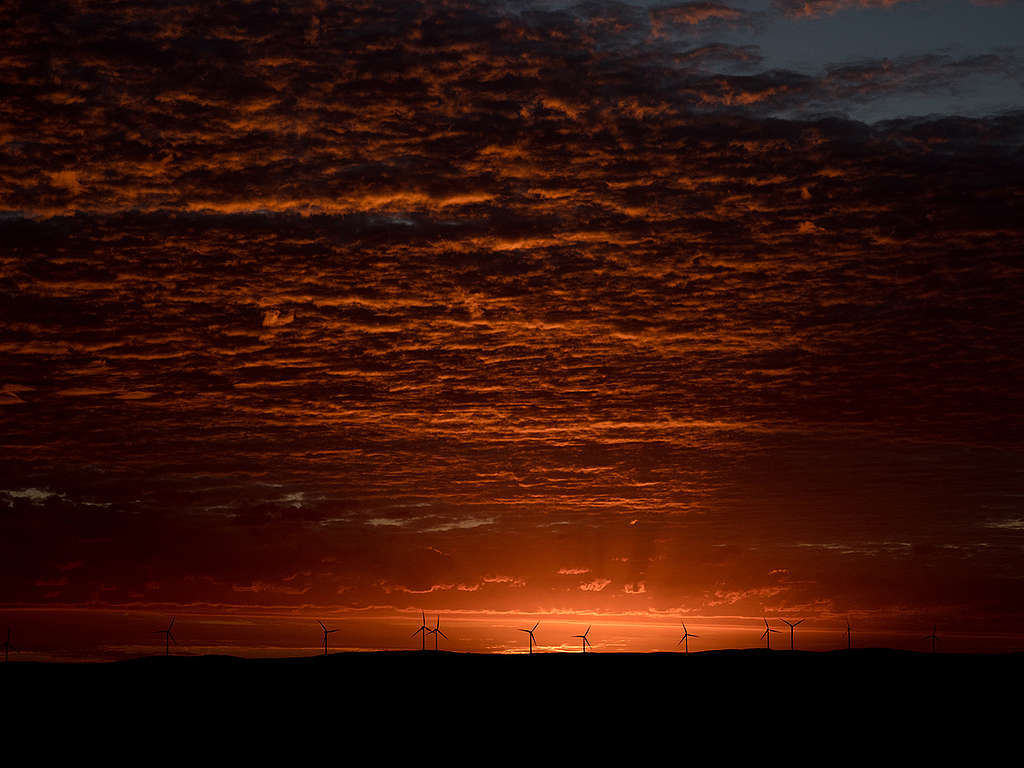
583 315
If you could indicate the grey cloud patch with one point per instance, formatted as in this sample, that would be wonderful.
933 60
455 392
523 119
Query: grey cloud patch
32 495
461 525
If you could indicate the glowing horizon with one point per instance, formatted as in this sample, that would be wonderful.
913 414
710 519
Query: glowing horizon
111 634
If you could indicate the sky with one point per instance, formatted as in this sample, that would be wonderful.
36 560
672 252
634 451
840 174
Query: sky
601 313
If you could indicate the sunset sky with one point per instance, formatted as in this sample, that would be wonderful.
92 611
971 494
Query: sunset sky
609 313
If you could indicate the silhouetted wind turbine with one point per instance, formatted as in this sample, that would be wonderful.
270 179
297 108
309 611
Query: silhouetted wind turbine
168 637
793 626
423 629
530 633
767 636
586 642
326 633
933 637
437 631
683 640
7 645
849 636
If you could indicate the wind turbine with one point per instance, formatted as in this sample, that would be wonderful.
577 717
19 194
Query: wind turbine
586 642
530 633
424 629
326 633
849 636
168 637
683 641
437 631
793 626
7 645
933 637
767 636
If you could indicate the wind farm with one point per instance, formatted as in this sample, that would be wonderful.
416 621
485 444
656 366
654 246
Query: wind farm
583 640
518 677
767 635
792 632
456 633
530 632
326 633
168 637
685 639
437 631
422 631
473 687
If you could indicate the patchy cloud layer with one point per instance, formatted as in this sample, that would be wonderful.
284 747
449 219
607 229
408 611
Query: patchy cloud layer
404 304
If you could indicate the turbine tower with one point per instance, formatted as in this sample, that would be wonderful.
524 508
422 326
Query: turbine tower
793 626
437 631
933 637
530 633
767 636
586 642
423 631
849 635
683 641
326 633
168 637
7 645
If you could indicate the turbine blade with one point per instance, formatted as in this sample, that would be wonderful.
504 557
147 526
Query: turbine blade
535 627
329 631
763 634
321 625
442 634
171 624
693 635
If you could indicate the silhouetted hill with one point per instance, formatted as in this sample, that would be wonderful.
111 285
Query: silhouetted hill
376 669
388 697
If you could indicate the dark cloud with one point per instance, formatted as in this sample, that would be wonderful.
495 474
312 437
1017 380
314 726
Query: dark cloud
403 302
341 109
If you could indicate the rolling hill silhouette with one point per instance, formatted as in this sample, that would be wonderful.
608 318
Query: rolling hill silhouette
727 699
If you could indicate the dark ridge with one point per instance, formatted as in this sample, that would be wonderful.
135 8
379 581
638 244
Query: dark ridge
731 698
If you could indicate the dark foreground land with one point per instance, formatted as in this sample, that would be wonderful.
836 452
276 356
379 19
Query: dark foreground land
732 699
